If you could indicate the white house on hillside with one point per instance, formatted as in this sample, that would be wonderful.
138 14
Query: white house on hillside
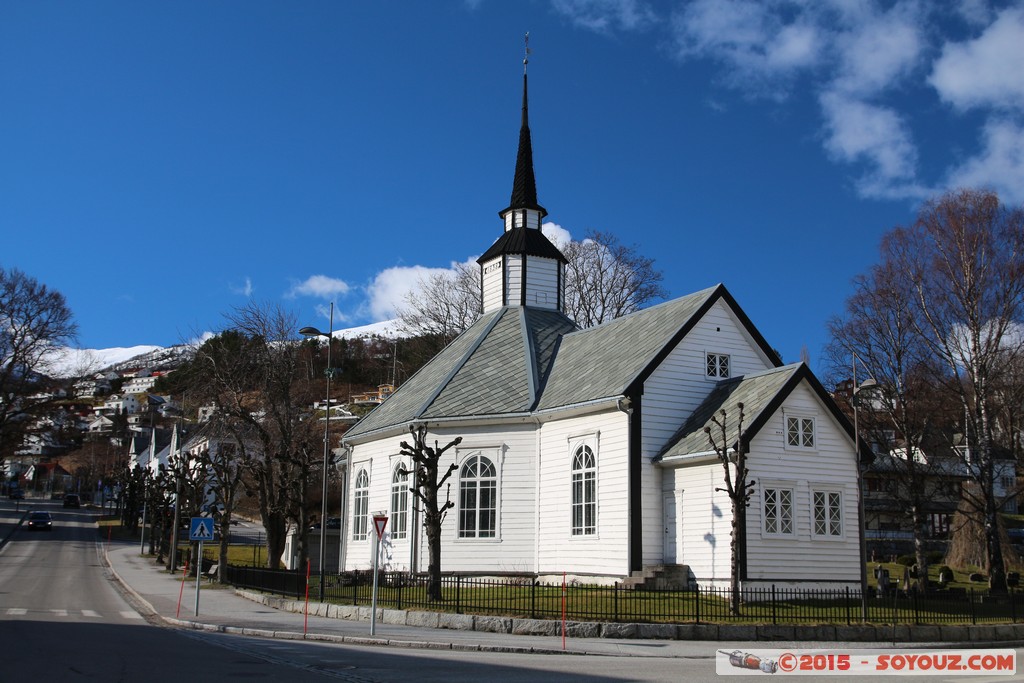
584 451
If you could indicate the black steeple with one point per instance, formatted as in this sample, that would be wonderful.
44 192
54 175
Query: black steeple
524 184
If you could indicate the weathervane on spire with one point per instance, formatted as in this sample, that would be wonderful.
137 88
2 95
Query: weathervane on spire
526 56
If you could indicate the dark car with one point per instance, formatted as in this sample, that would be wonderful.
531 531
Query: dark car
72 500
40 521
16 494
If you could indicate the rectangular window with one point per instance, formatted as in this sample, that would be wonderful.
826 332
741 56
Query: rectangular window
717 365
778 511
828 513
800 432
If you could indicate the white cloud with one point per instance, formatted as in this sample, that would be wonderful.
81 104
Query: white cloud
984 72
877 52
558 235
603 16
245 290
319 286
858 132
999 165
760 48
389 289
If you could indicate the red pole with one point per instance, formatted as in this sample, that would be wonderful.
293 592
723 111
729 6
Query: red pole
184 575
563 610
305 623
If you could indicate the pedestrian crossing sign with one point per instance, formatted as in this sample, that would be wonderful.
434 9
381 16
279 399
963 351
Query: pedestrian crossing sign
201 529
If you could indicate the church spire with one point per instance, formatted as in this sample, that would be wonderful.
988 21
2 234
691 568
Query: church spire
524 184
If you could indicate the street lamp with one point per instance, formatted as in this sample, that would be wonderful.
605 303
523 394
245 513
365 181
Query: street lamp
314 332
855 401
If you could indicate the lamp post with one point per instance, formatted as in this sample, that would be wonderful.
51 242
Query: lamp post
862 531
314 332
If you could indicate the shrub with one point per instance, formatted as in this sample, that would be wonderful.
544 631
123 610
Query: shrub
906 560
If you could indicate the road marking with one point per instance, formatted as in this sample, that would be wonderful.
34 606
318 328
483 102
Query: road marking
90 613
59 612
131 615
17 612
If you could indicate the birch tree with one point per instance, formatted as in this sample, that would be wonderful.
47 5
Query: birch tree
964 262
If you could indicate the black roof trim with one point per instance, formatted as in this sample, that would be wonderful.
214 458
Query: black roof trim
524 241
720 293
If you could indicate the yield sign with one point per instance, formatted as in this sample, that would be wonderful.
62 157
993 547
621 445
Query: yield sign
201 529
379 522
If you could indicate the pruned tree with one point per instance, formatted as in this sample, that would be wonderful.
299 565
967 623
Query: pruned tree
605 279
34 321
733 456
428 479
221 448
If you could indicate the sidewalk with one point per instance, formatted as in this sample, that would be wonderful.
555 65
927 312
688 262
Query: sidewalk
222 609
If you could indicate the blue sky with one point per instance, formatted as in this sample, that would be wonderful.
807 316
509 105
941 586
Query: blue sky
164 162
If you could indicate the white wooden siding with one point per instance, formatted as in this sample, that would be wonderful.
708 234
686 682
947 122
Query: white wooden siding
515 219
800 557
493 284
513 547
673 392
513 279
542 282
607 552
830 465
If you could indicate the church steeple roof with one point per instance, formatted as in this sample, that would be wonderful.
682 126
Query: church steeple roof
524 184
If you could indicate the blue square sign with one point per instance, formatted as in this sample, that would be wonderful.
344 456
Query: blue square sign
201 529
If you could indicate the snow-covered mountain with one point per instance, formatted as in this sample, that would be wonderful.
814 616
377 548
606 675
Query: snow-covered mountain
68 362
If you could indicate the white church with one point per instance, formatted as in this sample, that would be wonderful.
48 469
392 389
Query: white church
584 451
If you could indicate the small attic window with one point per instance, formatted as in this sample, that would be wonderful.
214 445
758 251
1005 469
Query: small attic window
717 365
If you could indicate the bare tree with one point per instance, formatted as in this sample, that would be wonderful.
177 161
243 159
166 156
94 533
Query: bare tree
605 279
427 482
964 260
903 414
445 305
249 374
733 457
34 322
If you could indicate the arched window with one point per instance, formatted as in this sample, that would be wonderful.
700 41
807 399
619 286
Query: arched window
399 503
361 507
584 492
478 499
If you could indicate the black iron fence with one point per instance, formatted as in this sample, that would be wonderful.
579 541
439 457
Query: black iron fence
523 596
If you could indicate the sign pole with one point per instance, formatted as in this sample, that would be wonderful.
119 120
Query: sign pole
373 607
199 574
380 521
200 529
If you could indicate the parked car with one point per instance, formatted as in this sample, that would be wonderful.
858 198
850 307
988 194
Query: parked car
40 521
71 500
